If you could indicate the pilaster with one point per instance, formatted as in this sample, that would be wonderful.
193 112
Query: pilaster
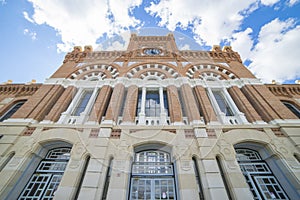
115 103
174 104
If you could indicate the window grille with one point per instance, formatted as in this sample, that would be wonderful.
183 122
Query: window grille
152 176
259 176
46 178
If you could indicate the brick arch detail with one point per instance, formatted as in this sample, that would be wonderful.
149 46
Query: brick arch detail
161 70
195 71
96 70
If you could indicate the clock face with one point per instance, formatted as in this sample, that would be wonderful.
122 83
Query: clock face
152 51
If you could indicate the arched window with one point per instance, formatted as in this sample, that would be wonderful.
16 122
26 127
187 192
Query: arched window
107 179
222 103
261 180
47 176
224 178
198 178
9 157
12 110
152 176
292 108
86 163
152 106
83 101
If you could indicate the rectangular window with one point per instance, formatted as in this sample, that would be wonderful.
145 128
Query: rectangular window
222 103
152 104
85 97
12 110
139 104
166 103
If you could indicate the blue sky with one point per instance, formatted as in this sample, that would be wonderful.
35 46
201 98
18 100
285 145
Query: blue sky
36 34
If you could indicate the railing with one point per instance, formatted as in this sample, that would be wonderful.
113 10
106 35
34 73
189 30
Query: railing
73 119
230 120
153 121
152 168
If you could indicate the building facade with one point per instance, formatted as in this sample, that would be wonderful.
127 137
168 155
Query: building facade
151 122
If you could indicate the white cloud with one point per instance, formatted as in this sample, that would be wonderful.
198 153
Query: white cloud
213 21
276 55
31 34
83 22
242 43
184 47
119 42
26 16
292 2
269 2
3 2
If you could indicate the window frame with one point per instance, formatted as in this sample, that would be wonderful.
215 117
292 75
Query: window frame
10 112
46 180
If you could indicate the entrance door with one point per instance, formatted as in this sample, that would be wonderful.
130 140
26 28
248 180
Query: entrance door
152 176
142 188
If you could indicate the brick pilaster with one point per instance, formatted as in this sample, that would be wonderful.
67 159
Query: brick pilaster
130 104
40 103
101 104
259 103
190 103
275 104
243 104
62 104
174 104
115 103
205 105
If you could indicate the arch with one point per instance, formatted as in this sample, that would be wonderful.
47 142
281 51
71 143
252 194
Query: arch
107 178
292 106
48 174
224 176
219 71
101 71
266 174
61 134
7 159
11 108
152 173
198 177
161 70
37 162
247 135
145 137
82 176
152 146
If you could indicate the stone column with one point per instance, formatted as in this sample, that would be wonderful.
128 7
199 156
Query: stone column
115 103
174 104
101 104
142 114
163 114
129 113
62 104
205 105
244 105
190 104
